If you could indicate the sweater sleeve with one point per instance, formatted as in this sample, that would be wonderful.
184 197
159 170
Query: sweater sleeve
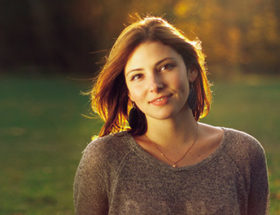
90 196
259 192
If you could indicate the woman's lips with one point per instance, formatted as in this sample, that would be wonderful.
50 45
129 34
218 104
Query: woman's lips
162 100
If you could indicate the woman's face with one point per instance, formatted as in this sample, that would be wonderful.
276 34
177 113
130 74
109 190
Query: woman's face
157 80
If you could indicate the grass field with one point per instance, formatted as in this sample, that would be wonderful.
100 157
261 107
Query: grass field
42 134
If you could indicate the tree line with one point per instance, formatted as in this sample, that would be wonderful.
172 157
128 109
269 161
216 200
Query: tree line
74 35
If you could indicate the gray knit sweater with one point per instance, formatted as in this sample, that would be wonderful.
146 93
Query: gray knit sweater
116 176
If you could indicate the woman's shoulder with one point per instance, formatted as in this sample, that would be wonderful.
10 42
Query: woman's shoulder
241 144
106 147
111 139
231 137
241 138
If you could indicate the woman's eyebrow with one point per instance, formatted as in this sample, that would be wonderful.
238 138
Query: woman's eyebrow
134 70
164 59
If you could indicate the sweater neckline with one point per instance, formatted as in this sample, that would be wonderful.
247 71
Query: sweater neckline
143 154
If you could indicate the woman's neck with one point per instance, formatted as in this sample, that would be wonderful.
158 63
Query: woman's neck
175 131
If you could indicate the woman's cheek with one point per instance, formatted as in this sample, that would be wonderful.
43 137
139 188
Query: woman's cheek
136 93
174 81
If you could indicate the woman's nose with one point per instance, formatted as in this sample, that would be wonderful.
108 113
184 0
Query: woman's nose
156 83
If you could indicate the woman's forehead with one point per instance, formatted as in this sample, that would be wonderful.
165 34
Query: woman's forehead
150 53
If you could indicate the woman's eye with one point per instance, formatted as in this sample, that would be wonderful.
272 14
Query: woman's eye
168 66
136 77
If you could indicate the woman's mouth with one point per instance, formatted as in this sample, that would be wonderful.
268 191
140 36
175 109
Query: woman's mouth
162 100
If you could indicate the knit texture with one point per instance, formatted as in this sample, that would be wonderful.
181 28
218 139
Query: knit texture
117 177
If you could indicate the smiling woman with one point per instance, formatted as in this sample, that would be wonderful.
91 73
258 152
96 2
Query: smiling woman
158 81
166 162
109 95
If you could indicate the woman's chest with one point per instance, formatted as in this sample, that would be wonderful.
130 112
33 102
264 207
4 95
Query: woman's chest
153 191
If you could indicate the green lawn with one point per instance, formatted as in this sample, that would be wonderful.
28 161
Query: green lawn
42 134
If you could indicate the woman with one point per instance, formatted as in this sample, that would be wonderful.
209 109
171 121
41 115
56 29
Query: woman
165 162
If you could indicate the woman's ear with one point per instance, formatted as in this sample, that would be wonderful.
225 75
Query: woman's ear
192 75
129 96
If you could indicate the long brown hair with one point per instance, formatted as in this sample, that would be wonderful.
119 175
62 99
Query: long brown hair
109 96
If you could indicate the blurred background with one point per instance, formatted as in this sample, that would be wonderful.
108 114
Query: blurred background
68 36
50 50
